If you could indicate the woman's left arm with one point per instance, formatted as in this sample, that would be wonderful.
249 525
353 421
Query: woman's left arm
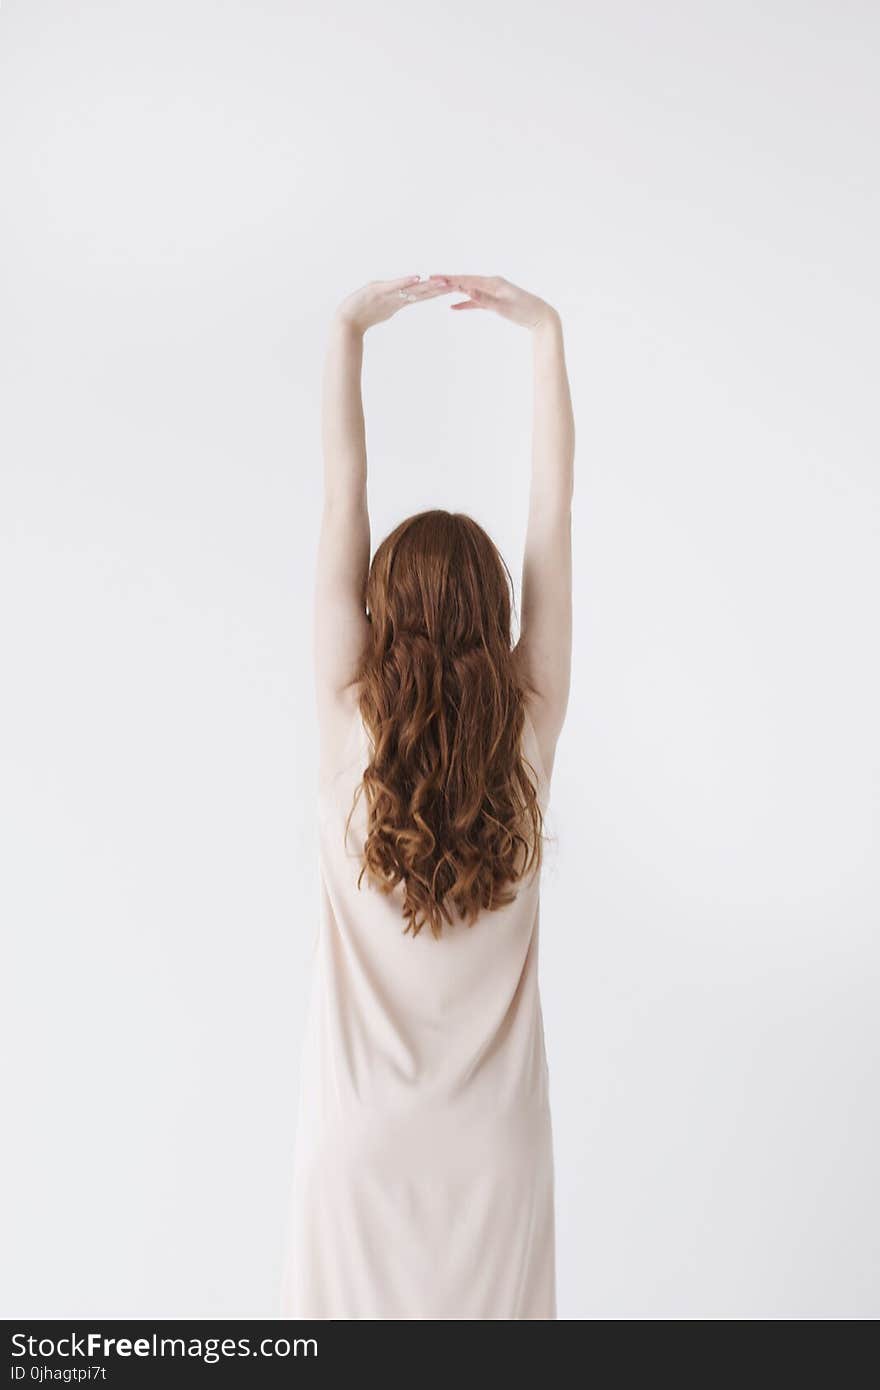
340 619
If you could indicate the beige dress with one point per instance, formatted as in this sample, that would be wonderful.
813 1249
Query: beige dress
423 1173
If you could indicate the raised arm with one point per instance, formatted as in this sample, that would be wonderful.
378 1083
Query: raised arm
340 620
544 647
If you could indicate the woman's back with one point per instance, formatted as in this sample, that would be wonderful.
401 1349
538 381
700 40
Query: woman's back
424 1175
440 1007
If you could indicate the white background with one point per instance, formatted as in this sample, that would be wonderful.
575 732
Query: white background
189 187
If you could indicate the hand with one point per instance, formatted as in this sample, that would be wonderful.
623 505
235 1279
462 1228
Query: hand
491 292
381 299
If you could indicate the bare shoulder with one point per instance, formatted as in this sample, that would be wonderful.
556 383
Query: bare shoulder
544 723
338 718
544 714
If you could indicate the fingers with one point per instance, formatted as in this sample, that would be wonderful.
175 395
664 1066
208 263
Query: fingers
466 283
485 284
478 299
413 287
418 293
427 289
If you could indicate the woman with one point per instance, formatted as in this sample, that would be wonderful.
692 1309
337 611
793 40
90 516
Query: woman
423 1180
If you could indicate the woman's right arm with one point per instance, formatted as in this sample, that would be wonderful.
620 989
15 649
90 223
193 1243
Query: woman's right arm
544 648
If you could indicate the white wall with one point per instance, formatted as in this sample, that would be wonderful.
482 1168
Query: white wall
189 187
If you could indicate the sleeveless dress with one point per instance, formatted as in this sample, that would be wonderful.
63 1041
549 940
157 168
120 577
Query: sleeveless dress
423 1167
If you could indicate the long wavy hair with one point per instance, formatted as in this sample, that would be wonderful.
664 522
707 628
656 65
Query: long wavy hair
452 805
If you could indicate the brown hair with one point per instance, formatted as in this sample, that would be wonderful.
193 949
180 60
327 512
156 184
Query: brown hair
453 811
